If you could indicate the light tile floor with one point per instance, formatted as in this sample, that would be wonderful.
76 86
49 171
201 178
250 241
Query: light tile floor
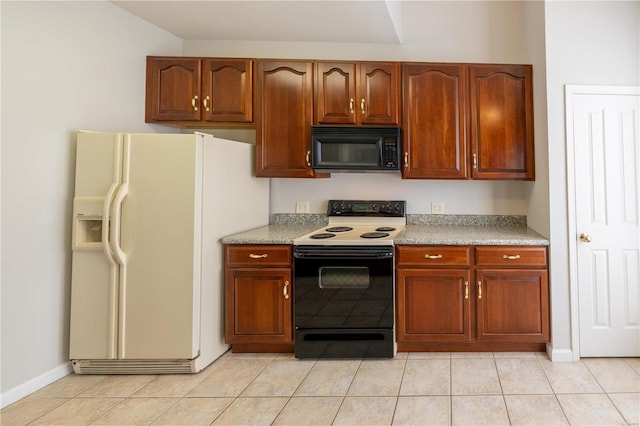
411 389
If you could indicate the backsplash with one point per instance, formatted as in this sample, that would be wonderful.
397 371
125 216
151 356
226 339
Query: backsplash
300 219
412 219
466 220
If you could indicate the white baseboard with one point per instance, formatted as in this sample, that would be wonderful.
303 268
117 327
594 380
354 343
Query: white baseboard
559 355
37 383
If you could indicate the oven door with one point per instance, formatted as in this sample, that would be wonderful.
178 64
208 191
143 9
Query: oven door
343 302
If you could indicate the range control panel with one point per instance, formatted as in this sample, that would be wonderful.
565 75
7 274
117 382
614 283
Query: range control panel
366 208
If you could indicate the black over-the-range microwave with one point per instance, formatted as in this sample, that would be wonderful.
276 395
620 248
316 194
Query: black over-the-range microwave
355 148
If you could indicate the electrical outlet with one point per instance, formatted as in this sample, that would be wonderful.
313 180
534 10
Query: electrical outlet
437 207
302 207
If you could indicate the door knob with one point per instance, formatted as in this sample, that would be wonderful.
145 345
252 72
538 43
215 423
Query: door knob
585 238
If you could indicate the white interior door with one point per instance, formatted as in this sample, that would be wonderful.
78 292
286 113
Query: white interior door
603 132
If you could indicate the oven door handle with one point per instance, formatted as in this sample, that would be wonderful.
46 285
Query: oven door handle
342 253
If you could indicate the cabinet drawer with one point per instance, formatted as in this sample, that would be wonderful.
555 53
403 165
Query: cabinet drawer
257 255
433 255
511 256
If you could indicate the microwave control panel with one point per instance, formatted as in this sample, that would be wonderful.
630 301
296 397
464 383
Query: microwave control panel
390 154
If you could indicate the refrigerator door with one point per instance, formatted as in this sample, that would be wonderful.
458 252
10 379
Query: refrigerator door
159 246
94 282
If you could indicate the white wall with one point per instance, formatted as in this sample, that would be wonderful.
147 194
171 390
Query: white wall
538 201
65 66
592 43
477 31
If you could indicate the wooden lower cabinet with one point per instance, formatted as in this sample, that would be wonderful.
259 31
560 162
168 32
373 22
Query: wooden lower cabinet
433 305
258 299
466 298
513 305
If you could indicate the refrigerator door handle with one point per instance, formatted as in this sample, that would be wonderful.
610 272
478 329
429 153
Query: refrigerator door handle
106 209
120 255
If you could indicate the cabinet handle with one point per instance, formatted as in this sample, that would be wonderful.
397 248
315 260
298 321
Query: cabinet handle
406 159
258 256
511 257
475 161
362 106
308 158
194 102
479 289
433 256
285 290
466 289
351 105
205 103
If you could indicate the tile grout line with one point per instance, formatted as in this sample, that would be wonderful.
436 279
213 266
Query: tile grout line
335 416
235 398
555 395
504 400
294 391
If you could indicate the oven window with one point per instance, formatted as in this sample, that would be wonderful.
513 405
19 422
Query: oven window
344 277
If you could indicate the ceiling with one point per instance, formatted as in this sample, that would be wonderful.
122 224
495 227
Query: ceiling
274 20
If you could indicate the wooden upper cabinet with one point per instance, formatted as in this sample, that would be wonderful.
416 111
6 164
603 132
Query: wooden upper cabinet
434 121
358 93
284 114
501 105
173 89
379 93
227 90
199 90
336 93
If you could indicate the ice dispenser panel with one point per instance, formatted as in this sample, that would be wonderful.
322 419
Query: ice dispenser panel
87 222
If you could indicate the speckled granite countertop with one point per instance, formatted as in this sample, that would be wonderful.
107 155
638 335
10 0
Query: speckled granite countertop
470 235
270 234
420 229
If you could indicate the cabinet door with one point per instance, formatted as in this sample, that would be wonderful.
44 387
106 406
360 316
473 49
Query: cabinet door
284 103
433 305
378 93
258 305
173 89
512 305
435 125
227 90
336 93
502 121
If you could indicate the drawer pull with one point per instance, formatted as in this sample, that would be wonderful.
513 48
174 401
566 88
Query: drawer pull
479 289
433 256
514 257
258 256
285 290
466 290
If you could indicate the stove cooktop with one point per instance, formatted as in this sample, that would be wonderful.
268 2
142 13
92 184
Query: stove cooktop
359 223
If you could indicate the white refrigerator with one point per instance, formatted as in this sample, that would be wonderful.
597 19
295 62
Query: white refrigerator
147 280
